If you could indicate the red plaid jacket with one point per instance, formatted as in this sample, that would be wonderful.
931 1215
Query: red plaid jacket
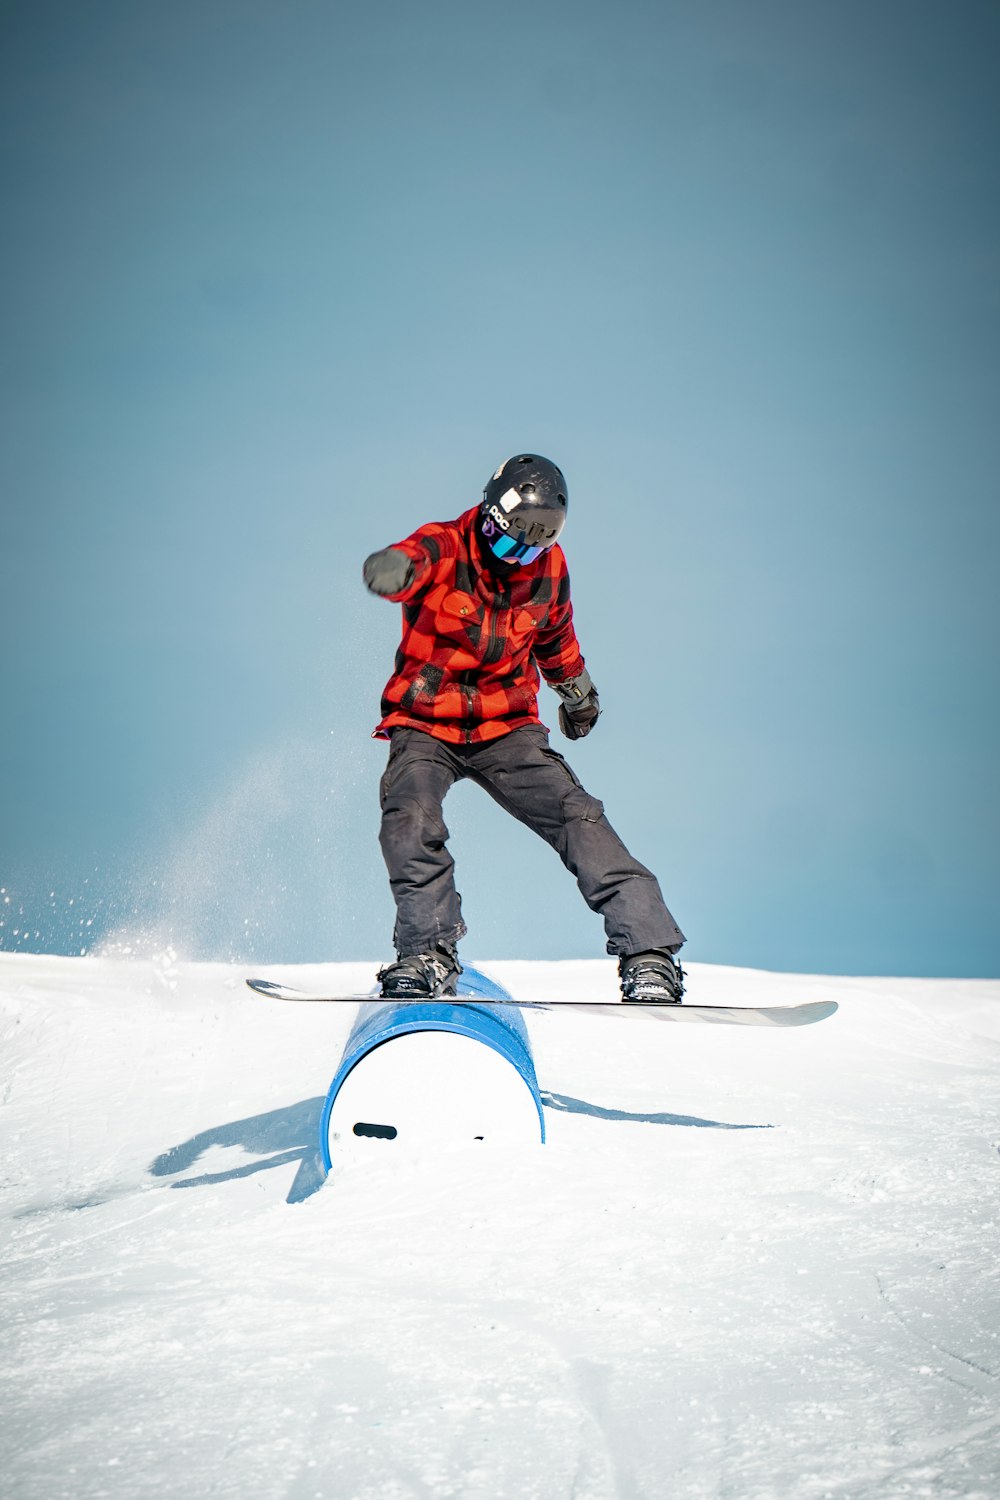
467 668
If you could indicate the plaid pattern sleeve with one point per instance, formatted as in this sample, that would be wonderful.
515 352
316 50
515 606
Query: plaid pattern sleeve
427 549
467 667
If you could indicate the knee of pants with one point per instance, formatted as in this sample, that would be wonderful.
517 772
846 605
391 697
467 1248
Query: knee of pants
410 824
579 812
580 804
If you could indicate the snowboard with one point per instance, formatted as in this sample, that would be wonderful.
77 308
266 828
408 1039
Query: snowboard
730 1015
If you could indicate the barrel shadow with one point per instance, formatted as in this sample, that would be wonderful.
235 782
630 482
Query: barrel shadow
291 1134
573 1106
275 1138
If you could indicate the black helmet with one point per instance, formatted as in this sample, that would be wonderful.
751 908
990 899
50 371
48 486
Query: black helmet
523 509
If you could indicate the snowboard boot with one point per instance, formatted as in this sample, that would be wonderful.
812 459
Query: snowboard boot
421 976
653 978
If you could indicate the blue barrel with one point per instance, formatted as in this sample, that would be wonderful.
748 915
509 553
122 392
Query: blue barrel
404 1066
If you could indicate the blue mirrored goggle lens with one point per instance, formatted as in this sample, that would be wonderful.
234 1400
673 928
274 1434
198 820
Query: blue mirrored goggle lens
513 551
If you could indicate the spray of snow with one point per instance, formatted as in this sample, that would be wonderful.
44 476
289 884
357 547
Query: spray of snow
270 866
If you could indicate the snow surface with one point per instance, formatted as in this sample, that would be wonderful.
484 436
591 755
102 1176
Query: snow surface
748 1263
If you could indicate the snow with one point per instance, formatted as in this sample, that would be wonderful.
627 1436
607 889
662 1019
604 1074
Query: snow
747 1264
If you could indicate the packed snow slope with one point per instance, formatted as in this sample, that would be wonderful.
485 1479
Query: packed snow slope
747 1264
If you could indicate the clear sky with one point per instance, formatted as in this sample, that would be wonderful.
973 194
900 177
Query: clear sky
282 281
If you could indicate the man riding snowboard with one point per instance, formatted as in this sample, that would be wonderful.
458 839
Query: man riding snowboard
486 607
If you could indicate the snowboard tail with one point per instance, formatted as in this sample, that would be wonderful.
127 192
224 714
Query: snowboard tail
804 1014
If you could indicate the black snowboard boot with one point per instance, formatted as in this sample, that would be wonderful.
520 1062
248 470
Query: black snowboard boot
421 976
653 978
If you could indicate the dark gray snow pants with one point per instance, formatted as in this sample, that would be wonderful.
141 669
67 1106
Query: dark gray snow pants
532 781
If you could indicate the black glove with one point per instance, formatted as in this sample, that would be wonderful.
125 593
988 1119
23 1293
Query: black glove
580 707
387 572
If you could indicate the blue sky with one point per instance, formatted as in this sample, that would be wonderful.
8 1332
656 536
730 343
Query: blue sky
282 282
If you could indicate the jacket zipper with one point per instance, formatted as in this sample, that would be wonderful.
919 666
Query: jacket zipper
492 647
492 654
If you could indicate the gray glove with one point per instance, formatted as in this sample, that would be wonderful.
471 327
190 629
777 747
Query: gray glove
388 571
580 707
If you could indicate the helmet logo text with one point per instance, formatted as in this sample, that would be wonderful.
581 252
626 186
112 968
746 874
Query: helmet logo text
498 516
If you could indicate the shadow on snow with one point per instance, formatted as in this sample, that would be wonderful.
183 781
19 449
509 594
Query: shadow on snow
292 1134
279 1137
573 1106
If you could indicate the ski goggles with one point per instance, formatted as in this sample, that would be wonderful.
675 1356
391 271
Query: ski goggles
513 550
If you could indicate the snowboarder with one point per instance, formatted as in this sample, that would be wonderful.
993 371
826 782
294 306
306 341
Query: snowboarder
486 608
